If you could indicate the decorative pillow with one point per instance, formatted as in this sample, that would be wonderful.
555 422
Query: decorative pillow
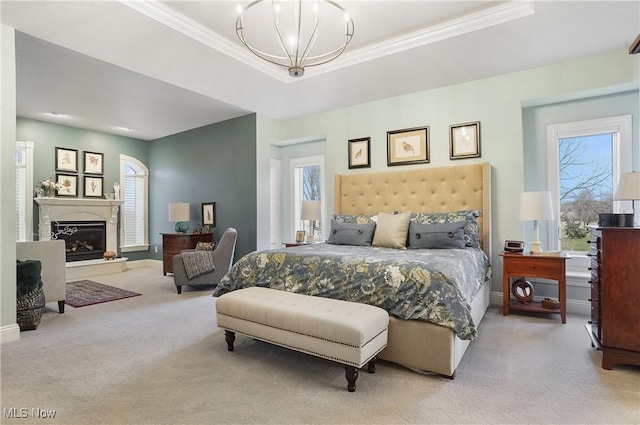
391 231
437 236
471 228
205 246
355 219
351 233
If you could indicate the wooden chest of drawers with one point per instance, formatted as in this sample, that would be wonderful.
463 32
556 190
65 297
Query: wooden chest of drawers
614 327
173 243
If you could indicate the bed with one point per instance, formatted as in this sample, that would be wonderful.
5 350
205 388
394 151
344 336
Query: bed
415 340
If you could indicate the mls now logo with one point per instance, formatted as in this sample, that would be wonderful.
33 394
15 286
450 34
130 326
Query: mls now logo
23 412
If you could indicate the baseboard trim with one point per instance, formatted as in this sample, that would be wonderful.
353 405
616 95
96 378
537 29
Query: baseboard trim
138 264
9 333
573 306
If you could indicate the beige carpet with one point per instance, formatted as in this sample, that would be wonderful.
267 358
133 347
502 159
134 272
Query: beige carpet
159 359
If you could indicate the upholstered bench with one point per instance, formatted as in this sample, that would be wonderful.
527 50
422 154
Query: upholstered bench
348 333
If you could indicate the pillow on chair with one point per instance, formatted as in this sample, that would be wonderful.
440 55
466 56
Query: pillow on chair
205 246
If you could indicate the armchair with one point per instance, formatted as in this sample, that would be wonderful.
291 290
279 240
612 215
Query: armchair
222 259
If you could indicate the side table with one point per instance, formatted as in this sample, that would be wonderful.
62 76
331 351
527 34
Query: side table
549 266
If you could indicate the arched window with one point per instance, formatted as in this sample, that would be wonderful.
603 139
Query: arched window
134 216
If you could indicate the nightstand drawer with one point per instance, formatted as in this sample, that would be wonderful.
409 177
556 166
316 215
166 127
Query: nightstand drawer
530 266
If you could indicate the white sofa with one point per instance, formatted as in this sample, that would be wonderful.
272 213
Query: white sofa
52 257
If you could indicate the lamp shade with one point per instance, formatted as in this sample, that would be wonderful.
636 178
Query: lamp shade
536 206
310 210
629 187
179 212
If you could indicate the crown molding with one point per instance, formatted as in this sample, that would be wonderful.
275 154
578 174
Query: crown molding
177 21
504 12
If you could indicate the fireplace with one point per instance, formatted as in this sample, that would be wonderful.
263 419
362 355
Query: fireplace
84 240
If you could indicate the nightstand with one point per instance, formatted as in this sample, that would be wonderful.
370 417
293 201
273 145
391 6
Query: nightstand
539 265
290 244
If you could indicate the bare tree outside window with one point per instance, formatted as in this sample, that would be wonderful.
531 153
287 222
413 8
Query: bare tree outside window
311 183
586 186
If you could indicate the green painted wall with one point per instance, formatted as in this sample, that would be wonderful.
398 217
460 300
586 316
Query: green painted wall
46 137
496 102
215 163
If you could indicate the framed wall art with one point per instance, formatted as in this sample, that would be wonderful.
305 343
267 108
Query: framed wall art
464 140
93 163
410 146
67 160
209 214
69 185
93 187
360 153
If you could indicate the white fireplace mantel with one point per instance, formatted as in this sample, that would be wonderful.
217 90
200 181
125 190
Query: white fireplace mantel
79 209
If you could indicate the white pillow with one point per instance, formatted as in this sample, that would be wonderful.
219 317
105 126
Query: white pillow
392 230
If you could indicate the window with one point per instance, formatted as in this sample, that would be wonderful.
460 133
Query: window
588 158
134 226
24 191
307 177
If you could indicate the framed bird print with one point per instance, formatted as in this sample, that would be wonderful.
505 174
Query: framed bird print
359 153
409 146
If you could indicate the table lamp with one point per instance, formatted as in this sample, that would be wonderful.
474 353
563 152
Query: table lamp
179 212
629 189
310 211
536 206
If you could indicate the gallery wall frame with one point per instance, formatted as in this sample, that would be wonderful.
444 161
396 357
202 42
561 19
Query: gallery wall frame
408 146
66 160
69 183
93 187
93 162
209 214
360 153
464 140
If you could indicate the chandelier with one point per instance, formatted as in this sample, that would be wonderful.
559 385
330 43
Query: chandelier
300 33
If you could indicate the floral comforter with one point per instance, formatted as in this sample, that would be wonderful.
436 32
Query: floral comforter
433 285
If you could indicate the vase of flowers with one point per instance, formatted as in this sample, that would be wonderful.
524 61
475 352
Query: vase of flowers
47 188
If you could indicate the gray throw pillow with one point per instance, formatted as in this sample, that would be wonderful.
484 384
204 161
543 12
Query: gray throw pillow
437 236
351 233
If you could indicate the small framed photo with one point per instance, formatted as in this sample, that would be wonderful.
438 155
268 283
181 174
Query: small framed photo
410 146
69 185
359 153
67 160
464 140
93 163
209 214
93 187
300 236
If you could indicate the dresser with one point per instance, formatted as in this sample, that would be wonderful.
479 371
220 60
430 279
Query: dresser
614 327
173 243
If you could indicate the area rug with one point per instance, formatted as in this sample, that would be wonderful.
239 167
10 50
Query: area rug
82 293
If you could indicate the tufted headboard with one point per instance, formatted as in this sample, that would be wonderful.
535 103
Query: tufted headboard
438 189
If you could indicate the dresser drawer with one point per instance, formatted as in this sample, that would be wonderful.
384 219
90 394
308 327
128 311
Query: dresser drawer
177 241
539 267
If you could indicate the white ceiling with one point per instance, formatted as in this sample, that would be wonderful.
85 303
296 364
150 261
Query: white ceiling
159 68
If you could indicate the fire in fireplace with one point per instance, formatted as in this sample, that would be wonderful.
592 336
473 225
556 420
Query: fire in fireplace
84 240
